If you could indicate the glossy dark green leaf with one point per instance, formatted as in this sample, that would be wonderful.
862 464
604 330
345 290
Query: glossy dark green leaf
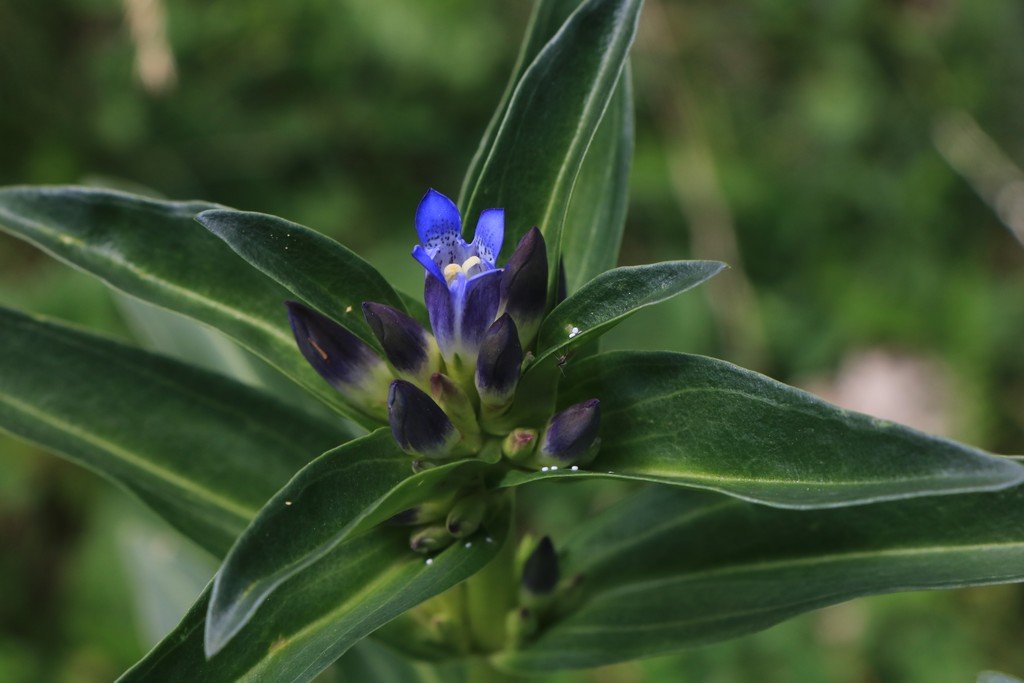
315 617
600 197
550 120
154 250
704 423
203 451
313 267
614 295
545 20
371 662
669 569
335 497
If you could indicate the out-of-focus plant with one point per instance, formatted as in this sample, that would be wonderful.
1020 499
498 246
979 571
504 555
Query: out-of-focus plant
387 509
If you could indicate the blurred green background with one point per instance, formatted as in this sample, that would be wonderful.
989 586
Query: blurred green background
856 161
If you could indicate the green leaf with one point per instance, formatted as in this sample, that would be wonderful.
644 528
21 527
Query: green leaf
155 251
370 661
314 618
313 267
545 20
338 495
551 118
203 451
600 197
614 295
669 569
704 423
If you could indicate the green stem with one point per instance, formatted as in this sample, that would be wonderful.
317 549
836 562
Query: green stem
491 594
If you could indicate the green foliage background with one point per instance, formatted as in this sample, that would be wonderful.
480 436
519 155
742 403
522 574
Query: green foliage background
810 134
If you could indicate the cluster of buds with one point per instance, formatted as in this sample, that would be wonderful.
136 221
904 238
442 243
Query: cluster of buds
447 393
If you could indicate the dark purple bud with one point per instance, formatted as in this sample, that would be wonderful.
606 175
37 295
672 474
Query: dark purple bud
540 572
419 426
571 435
498 363
410 350
524 285
341 358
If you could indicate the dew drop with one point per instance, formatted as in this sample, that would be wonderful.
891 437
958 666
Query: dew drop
489 539
575 468
469 544
288 503
554 467
574 331
544 469
429 561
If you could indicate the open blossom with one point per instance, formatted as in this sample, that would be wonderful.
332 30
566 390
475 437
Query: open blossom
443 391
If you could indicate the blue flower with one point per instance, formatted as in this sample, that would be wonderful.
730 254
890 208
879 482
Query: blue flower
463 285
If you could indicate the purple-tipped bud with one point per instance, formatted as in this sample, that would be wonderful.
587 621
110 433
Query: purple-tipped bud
571 435
410 350
341 358
498 364
524 285
519 444
419 426
540 572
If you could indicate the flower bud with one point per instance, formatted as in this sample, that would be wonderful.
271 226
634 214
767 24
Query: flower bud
343 359
411 351
520 624
524 285
427 511
540 574
430 538
498 365
466 515
571 435
520 444
419 426
456 404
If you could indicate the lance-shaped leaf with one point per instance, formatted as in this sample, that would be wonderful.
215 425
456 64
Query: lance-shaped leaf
337 496
314 618
669 569
614 295
155 251
202 450
597 210
312 266
545 20
552 116
704 423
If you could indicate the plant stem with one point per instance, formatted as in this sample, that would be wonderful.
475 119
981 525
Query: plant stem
491 594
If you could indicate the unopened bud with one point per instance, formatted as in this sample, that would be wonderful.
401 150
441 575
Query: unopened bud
540 574
410 349
571 435
520 444
524 285
419 426
343 359
498 366
466 515
430 539
520 624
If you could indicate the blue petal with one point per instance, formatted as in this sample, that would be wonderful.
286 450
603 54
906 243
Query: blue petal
480 306
490 231
421 255
442 315
439 227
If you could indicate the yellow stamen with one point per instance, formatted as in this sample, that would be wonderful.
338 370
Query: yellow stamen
450 271
471 262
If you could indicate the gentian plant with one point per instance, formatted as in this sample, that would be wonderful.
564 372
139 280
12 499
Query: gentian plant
377 499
